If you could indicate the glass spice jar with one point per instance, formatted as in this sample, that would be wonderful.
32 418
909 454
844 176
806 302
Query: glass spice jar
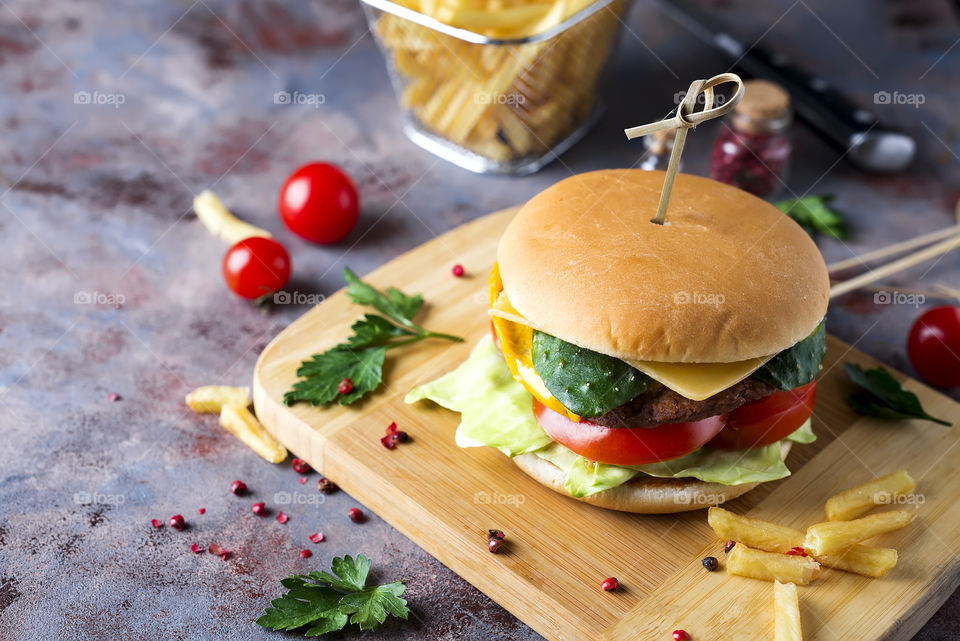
753 151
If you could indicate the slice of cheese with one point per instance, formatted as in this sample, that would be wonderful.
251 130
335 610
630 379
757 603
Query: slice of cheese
699 381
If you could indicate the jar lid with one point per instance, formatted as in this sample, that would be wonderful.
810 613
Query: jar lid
763 100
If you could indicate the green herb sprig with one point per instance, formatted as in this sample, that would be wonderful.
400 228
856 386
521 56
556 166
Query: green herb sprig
883 396
360 359
324 603
815 215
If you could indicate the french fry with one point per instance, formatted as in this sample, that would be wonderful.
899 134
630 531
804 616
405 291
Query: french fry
859 500
210 399
772 537
220 222
763 535
245 426
863 560
786 608
771 566
833 537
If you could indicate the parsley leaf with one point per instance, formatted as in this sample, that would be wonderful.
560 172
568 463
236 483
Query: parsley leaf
324 603
360 359
321 375
369 607
394 303
815 215
351 575
883 396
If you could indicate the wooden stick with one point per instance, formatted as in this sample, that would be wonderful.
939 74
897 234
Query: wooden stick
894 249
898 265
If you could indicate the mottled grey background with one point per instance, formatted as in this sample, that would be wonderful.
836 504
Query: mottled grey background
96 198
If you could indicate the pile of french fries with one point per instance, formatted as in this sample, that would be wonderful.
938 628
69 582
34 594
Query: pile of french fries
502 101
232 404
789 557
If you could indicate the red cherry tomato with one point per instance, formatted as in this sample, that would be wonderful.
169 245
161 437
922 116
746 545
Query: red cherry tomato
256 266
626 445
319 202
768 420
934 346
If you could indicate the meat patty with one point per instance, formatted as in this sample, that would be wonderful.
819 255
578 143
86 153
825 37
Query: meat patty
663 405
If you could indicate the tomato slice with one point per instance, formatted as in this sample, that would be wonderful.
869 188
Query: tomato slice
625 445
768 420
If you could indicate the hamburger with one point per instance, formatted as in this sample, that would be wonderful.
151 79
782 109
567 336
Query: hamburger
644 367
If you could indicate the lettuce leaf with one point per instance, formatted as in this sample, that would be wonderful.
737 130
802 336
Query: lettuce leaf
496 411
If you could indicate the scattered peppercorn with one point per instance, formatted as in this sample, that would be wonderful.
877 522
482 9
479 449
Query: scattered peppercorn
728 546
282 518
316 538
300 466
495 540
610 584
202 510
345 386
305 554
394 436
238 487
710 563
681 635
356 515
457 270
113 397
303 480
259 509
196 549
327 486
217 550
176 522
157 523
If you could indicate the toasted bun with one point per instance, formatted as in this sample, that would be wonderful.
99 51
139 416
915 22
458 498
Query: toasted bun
643 495
729 277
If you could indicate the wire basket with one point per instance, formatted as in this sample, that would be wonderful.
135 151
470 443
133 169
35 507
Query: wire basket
492 105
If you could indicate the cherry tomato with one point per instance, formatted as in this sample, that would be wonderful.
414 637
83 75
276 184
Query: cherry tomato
256 266
768 420
319 202
626 445
934 346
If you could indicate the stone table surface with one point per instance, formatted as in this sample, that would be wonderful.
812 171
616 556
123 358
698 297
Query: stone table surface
96 210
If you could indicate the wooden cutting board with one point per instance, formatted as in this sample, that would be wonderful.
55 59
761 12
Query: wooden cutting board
446 498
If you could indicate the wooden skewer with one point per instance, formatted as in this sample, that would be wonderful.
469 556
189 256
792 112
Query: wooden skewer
891 268
894 249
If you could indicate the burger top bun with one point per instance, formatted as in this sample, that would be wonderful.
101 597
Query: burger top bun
728 277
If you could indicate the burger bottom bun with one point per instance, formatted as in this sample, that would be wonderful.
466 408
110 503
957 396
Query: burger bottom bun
643 494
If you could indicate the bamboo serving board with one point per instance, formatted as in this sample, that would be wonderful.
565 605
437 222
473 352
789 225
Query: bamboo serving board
559 550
